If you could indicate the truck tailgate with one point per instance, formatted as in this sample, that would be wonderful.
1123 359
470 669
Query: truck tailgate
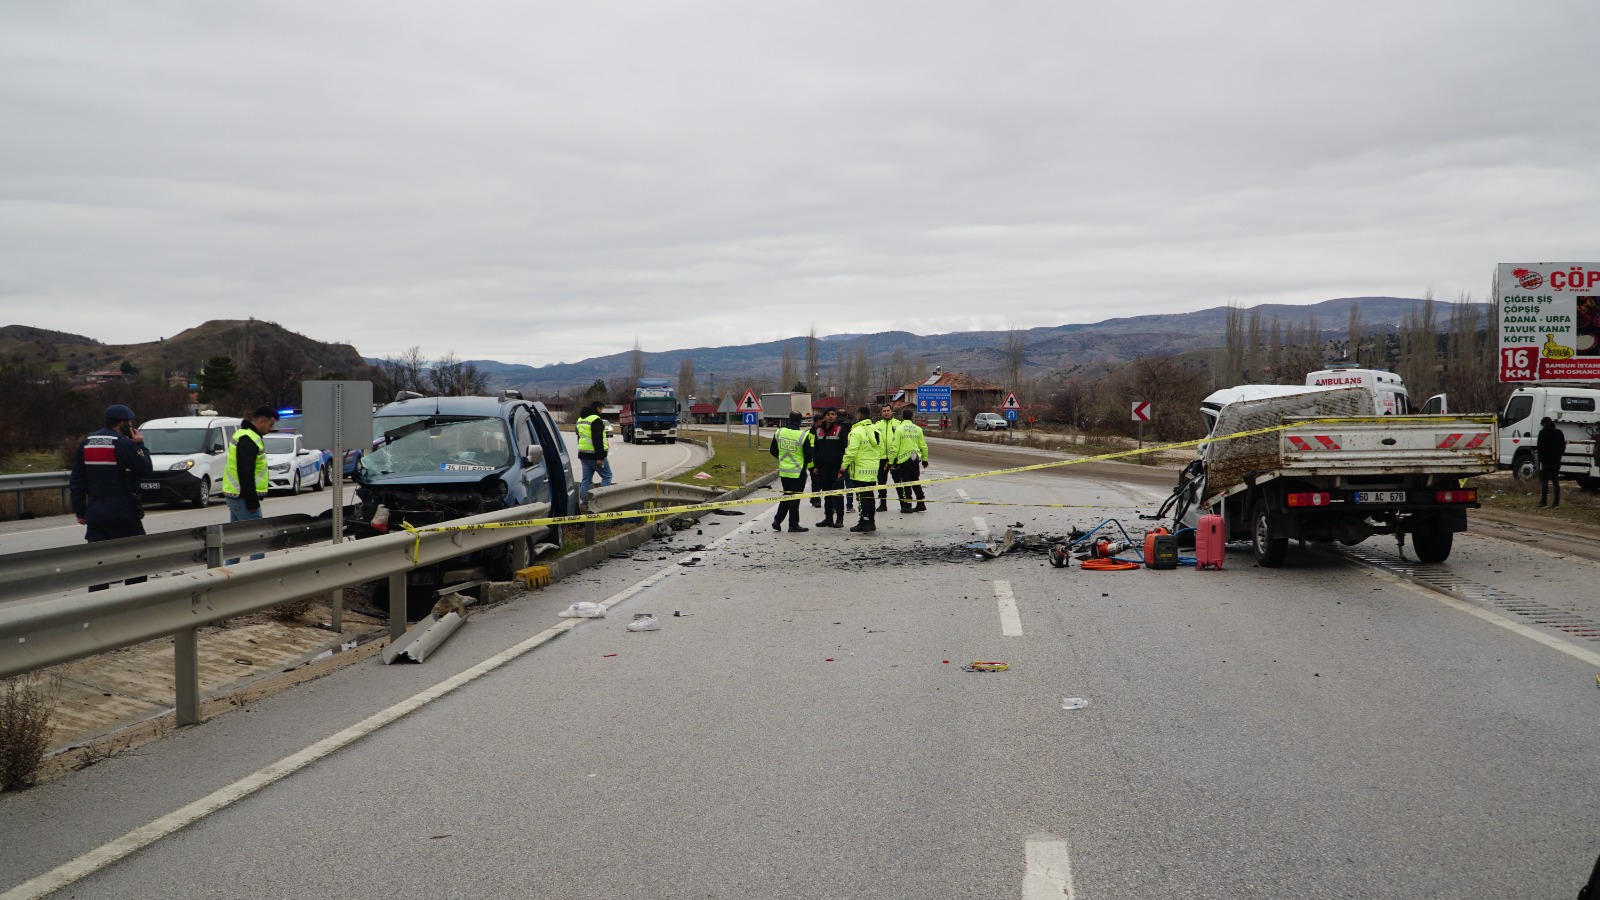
1444 445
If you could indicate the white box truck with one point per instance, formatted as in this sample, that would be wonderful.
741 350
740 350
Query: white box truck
1576 411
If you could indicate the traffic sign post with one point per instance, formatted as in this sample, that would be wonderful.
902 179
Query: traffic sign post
933 398
1141 414
726 409
750 407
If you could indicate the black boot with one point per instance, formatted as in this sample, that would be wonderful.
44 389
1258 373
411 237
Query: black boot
863 527
920 507
883 506
798 527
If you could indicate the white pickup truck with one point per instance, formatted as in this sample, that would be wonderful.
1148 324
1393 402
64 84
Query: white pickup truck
1333 471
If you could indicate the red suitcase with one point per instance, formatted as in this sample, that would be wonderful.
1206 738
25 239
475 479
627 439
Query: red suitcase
1210 542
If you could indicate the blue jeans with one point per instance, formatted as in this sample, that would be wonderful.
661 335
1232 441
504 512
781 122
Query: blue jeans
237 513
590 467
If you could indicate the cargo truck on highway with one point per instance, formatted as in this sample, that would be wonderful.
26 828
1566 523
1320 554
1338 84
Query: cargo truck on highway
775 408
1575 410
1336 472
652 414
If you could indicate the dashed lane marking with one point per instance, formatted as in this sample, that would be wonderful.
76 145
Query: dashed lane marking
1010 619
1049 875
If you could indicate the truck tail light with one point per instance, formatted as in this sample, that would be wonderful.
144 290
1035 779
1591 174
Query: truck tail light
1459 495
1311 498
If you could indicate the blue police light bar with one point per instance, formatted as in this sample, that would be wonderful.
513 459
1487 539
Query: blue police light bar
286 412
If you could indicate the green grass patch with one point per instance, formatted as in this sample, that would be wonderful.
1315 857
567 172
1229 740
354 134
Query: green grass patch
30 461
727 452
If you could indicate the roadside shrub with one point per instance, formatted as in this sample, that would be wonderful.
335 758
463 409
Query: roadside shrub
26 708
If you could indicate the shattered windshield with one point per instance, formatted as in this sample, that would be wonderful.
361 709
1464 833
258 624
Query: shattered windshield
406 445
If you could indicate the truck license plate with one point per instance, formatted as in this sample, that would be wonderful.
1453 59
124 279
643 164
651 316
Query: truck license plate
1380 496
150 485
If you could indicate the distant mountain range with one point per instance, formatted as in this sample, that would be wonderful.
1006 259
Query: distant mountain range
978 353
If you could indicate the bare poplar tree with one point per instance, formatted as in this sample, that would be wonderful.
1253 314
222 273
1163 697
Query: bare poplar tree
686 377
813 372
1231 370
636 361
1257 355
900 368
1013 355
1356 336
861 375
787 377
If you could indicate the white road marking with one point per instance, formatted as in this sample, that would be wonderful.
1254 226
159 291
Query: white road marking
139 838
982 525
960 493
1549 640
1010 619
1049 875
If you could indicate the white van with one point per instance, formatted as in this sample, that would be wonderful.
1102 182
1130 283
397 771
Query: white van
1388 390
1576 411
187 456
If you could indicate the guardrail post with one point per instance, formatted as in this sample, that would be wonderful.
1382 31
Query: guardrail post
589 536
336 612
213 546
397 605
22 504
66 500
186 675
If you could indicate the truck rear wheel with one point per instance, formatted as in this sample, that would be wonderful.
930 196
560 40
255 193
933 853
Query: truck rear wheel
1432 545
1270 551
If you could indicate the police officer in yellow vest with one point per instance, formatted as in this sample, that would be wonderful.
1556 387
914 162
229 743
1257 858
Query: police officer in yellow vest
593 448
861 457
911 457
889 444
244 480
792 446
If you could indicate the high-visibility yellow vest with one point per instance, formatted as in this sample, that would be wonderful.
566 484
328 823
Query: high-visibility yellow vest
889 438
912 442
791 451
230 475
586 435
862 453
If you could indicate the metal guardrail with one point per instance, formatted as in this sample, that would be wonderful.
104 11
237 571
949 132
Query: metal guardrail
33 573
637 493
44 632
20 485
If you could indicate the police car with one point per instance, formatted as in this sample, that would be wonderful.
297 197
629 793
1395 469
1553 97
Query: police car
290 464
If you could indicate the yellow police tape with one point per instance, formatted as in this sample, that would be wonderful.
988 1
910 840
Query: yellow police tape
867 488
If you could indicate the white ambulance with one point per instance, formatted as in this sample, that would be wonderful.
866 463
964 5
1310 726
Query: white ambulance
1387 390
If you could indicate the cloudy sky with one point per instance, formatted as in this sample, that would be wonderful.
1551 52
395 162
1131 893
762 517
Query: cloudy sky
538 182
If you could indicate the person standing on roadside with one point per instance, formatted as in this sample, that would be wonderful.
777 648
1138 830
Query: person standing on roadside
862 454
911 457
1552 445
244 478
791 444
888 445
827 457
593 448
104 482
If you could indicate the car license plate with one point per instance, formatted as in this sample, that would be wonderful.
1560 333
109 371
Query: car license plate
1380 496
150 485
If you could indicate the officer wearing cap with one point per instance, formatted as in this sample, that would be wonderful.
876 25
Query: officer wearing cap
105 481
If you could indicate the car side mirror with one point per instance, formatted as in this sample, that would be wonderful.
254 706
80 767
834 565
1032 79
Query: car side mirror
216 448
304 452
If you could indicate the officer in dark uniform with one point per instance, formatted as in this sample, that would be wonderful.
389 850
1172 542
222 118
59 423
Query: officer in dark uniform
105 481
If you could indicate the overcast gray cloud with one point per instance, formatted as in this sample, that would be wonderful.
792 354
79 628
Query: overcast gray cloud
543 182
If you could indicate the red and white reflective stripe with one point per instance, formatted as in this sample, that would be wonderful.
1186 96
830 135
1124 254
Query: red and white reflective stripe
1478 440
1327 442
1449 441
100 451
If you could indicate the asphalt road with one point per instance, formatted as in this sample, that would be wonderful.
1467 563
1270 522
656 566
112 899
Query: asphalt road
806 730
62 531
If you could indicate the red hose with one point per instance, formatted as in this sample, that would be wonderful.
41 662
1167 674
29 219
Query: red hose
1108 565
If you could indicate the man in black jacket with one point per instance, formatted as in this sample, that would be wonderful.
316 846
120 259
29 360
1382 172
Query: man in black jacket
105 481
1551 447
827 458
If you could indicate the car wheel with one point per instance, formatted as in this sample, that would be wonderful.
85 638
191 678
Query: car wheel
203 499
294 486
321 482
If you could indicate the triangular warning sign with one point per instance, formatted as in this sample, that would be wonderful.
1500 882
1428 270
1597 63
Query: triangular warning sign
1011 401
750 403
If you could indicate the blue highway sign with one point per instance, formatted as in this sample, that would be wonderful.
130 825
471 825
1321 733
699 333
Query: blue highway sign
750 418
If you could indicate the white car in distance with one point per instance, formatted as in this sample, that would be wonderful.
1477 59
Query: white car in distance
290 464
